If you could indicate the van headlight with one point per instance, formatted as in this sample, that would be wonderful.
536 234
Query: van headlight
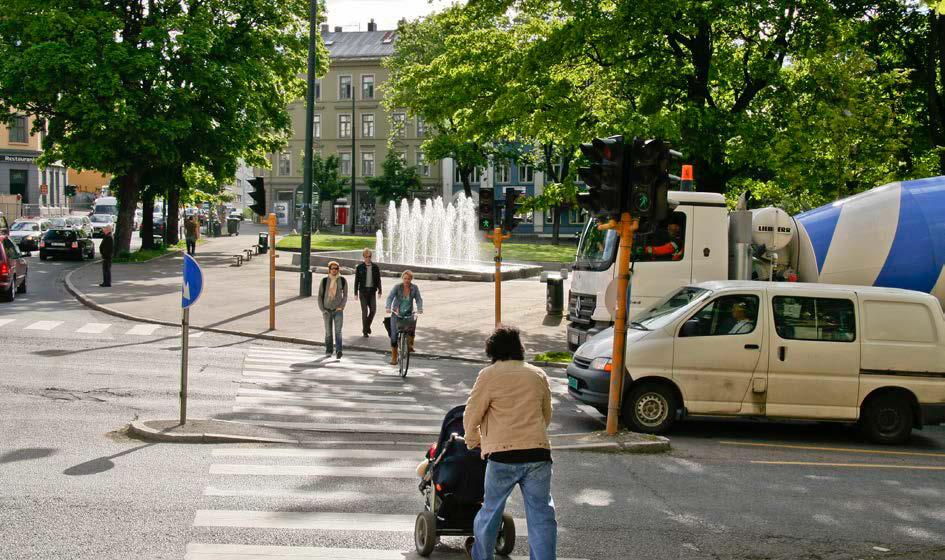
604 364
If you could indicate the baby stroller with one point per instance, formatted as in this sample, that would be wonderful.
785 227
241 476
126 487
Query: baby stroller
452 487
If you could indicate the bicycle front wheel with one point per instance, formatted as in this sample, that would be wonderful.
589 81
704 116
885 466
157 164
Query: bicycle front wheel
403 358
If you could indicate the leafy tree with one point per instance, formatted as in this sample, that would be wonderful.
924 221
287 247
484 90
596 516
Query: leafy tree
327 178
132 87
396 181
556 197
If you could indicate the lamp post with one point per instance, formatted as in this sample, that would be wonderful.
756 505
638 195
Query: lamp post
305 280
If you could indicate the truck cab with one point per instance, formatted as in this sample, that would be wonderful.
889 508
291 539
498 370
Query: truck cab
690 246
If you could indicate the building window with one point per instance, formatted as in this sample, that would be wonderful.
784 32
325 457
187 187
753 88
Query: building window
344 126
528 174
344 87
403 157
317 125
18 130
285 164
421 127
502 172
473 177
558 168
577 216
400 124
318 89
422 165
345 158
367 125
367 164
367 87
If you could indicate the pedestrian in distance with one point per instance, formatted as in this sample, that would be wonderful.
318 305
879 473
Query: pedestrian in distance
332 297
400 302
191 234
107 250
513 399
367 286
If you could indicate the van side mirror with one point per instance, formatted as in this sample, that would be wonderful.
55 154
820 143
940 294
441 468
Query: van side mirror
690 328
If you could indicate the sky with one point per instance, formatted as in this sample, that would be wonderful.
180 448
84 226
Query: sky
351 13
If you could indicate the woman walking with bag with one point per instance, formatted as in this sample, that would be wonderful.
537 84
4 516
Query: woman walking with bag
332 297
400 306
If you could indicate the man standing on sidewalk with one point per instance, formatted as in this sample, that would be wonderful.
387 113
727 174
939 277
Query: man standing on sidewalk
107 250
191 234
507 415
367 285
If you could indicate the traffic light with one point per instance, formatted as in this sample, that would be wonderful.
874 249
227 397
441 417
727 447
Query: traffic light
258 195
486 209
70 190
649 181
606 177
511 209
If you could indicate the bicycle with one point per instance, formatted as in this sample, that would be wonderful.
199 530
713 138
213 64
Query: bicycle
406 328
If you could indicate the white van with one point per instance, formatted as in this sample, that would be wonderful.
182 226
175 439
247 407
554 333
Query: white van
778 350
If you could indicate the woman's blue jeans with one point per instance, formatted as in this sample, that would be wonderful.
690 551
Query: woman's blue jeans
535 481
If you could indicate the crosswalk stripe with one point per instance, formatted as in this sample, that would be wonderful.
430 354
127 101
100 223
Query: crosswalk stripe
323 377
304 408
385 415
315 470
43 325
200 551
314 521
143 330
94 328
317 387
350 427
324 497
277 397
332 368
379 454
5 322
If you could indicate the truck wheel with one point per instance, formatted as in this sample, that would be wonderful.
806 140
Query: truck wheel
424 533
887 419
649 408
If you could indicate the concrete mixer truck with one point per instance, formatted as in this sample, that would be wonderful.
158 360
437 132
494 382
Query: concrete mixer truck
890 236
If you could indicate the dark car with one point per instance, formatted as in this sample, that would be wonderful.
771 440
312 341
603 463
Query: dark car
73 243
13 270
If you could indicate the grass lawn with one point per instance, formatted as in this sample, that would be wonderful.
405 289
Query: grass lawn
142 255
564 357
533 252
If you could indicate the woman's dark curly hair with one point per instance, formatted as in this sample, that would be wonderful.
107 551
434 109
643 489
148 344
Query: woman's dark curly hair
505 344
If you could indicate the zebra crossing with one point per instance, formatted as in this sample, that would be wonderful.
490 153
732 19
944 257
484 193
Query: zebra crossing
36 326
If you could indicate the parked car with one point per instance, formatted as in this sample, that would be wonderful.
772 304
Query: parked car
80 222
66 242
13 270
27 233
100 222
821 352
4 226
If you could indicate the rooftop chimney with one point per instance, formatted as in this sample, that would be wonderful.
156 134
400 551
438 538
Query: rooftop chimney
401 22
324 28
337 29
371 26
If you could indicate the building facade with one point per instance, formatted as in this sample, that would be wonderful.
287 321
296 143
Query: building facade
19 173
350 122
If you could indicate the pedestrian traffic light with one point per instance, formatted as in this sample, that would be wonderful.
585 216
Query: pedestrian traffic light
511 209
606 177
486 209
649 181
258 195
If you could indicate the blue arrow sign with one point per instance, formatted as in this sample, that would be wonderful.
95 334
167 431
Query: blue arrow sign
193 282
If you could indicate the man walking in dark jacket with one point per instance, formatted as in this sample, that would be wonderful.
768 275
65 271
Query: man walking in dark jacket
107 249
367 284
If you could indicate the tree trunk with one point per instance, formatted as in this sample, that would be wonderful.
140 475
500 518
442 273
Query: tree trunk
128 190
147 221
556 225
464 174
172 225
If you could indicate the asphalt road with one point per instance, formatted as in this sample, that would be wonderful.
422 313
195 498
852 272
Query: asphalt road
71 486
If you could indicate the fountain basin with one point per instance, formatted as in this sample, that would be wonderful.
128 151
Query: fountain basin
473 271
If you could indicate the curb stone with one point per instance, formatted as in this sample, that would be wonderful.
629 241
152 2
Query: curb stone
142 430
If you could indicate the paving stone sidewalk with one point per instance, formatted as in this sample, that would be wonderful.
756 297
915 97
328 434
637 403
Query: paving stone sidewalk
458 316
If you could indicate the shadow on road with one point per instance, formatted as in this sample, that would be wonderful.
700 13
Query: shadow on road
101 464
26 454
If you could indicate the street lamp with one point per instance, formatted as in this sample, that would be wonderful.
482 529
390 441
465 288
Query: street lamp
305 280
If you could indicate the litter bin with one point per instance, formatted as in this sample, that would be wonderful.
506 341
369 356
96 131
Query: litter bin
233 226
217 229
263 243
554 298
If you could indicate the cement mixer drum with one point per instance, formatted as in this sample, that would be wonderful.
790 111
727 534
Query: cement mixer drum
772 227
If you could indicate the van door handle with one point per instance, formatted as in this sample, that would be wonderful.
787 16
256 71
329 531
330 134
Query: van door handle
751 347
782 351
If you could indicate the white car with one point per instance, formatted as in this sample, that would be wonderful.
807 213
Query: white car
26 234
99 223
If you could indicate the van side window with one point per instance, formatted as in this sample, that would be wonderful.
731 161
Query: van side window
819 319
727 315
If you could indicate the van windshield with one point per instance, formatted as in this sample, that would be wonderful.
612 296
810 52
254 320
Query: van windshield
103 209
663 311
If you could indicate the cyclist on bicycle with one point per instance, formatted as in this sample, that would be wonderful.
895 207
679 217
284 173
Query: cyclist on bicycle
400 306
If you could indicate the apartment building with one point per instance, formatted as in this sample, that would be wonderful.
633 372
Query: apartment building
19 173
350 122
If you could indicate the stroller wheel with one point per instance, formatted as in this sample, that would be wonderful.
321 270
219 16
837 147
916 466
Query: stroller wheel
424 533
505 543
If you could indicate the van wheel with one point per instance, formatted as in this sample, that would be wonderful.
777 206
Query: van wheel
887 419
649 408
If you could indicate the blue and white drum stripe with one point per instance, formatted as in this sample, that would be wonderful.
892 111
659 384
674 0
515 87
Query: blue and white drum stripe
892 236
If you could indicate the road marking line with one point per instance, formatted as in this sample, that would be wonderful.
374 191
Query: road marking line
851 465
409 471
5 322
385 415
199 551
312 375
280 397
839 449
94 328
305 408
43 325
314 521
143 330
379 454
374 428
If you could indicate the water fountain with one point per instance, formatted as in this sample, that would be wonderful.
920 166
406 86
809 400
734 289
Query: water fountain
431 237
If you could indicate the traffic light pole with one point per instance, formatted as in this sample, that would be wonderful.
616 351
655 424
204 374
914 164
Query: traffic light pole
272 272
626 228
305 279
497 238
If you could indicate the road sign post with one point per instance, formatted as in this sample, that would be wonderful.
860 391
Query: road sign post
191 288
272 272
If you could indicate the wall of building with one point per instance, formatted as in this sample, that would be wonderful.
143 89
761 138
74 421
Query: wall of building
19 173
